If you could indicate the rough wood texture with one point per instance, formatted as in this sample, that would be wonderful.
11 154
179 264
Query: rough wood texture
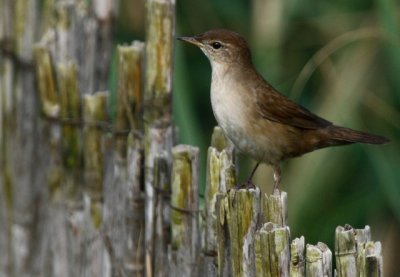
134 251
70 104
318 260
275 208
220 177
129 93
20 163
272 250
297 258
346 251
158 130
372 257
160 36
94 112
239 214
46 82
125 198
185 241
162 235
356 255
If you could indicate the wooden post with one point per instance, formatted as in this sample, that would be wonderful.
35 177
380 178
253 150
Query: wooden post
275 208
158 130
346 251
162 234
220 178
125 198
94 114
272 250
372 260
55 235
239 215
318 260
356 255
297 258
134 251
185 242
104 11
70 117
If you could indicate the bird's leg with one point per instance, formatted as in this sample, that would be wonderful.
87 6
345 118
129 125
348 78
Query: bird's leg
277 176
249 180
249 183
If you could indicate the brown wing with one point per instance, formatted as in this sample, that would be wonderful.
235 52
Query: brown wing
274 106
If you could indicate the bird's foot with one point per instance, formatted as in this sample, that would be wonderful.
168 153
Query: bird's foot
246 185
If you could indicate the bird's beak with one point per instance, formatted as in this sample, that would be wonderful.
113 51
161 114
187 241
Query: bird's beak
191 40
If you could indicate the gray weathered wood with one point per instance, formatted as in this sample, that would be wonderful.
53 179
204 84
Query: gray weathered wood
70 105
134 253
239 216
125 197
220 177
185 240
318 260
373 264
345 251
272 250
158 129
275 208
94 113
297 258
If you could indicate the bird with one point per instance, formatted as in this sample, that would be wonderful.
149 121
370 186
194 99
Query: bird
260 121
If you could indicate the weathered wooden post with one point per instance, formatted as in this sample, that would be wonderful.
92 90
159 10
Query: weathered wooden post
240 215
19 177
128 198
94 113
318 260
356 254
297 258
220 178
158 128
55 233
185 241
272 246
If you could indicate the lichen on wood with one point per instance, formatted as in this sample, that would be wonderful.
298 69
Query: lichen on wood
346 251
275 208
70 114
297 257
272 250
318 260
46 81
220 177
157 104
160 35
94 113
129 93
185 240
134 251
241 211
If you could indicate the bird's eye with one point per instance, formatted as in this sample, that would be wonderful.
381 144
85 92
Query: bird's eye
216 45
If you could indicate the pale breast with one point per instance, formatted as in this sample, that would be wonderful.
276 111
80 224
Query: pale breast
233 109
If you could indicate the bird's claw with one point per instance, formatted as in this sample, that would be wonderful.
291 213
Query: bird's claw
246 185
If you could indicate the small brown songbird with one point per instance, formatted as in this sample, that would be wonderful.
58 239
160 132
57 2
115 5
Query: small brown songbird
260 121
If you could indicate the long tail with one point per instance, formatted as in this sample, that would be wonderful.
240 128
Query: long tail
342 135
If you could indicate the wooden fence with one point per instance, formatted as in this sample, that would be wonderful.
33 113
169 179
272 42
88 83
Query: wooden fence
90 189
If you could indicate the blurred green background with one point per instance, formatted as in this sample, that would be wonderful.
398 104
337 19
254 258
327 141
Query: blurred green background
341 60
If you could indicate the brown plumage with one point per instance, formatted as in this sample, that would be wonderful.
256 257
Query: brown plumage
260 121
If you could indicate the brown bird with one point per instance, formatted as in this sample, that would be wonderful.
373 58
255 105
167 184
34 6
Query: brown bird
260 121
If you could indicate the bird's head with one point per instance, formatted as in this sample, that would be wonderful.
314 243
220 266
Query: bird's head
221 46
